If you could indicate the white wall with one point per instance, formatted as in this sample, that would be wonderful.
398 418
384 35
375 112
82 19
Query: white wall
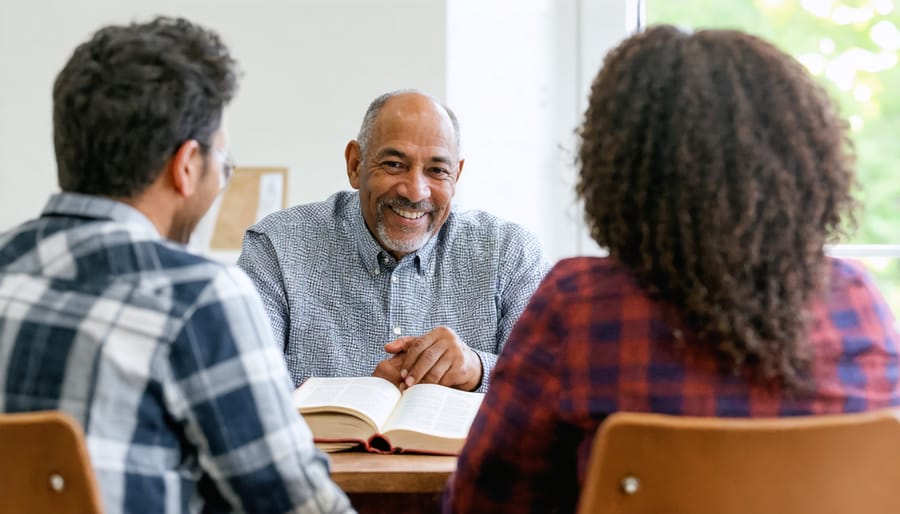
518 75
515 71
510 66
311 68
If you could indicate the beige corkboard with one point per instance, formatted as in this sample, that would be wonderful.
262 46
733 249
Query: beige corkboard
251 194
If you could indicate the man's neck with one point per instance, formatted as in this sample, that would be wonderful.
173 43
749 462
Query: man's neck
156 209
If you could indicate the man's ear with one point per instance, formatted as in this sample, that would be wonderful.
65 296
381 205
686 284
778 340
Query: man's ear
186 167
352 157
459 171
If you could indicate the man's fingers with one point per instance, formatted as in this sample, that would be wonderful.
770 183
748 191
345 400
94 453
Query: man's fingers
389 369
399 345
436 357
426 358
393 378
438 373
413 349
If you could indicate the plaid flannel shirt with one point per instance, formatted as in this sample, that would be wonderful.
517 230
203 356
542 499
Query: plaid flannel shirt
164 357
591 343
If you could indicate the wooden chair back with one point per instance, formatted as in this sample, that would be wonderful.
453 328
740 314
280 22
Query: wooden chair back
44 465
652 463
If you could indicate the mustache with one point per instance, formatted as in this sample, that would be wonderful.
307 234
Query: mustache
402 203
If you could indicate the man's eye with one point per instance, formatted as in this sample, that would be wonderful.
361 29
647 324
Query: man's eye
440 171
392 164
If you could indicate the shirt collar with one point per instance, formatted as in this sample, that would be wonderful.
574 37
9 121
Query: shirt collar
96 207
371 252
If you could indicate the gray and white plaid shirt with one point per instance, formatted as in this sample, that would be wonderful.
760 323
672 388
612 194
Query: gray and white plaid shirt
336 297
164 357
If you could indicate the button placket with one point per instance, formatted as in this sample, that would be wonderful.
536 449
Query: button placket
396 300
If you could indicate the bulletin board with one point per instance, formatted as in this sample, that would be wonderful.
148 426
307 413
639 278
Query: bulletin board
252 194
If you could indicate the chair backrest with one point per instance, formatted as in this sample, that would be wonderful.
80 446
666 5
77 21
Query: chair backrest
44 465
652 463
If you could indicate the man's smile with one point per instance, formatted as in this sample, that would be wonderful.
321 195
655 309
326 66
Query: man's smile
410 215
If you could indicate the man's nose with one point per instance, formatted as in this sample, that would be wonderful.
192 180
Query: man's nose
414 185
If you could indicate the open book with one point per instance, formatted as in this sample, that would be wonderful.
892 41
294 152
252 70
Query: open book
426 418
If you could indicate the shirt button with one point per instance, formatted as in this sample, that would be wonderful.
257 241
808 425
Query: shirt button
393 279
397 331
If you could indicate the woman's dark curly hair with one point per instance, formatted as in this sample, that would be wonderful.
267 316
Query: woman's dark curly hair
715 168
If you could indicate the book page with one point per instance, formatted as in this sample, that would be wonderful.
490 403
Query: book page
436 410
371 396
335 447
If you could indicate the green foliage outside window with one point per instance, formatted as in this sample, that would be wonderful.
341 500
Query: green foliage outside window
853 47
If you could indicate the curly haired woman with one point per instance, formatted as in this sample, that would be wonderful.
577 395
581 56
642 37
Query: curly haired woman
713 168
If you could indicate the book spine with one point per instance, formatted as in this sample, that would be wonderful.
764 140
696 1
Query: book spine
380 444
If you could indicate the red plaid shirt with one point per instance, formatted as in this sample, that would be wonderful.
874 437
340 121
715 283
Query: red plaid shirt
591 343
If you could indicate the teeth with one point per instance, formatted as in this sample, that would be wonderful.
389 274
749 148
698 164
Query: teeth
410 215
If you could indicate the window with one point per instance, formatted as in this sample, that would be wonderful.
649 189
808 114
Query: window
853 48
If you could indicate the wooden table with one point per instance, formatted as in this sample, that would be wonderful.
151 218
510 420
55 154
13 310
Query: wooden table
392 484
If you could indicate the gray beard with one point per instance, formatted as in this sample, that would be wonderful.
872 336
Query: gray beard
403 246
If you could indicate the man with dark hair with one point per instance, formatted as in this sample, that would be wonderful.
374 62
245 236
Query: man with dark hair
391 281
165 358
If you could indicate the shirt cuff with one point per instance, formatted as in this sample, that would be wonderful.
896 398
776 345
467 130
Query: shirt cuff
488 361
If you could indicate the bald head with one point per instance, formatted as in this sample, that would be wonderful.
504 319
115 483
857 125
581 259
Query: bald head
404 99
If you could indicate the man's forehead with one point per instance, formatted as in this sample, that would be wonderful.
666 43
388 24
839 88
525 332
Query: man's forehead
421 127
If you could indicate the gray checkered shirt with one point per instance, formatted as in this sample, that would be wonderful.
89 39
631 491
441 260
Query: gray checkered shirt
336 297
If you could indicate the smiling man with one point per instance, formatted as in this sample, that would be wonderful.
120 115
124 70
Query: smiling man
390 281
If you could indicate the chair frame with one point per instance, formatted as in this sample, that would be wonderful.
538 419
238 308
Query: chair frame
653 463
45 465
